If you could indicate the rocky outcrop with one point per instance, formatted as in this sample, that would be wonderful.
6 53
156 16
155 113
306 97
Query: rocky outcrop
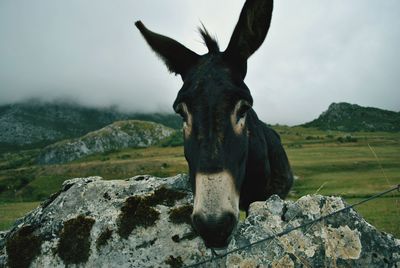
34 123
352 117
145 222
117 136
343 240
39 123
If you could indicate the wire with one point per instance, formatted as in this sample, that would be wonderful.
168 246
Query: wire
294 228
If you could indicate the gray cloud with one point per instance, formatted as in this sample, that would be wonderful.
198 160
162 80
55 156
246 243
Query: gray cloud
317 52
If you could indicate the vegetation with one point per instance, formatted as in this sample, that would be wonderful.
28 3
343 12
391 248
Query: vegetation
139 211
22 247
74 244
116 136
10 211
352 117
136 212
103 238
34 124
361 165
181 214
174 262
174 140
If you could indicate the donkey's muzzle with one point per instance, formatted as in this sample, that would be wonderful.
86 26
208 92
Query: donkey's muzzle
215 231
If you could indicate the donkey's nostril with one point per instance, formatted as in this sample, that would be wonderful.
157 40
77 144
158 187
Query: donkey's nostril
197 222
230 220
215 231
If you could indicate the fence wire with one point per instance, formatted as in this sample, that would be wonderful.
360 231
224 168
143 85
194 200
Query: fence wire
220 256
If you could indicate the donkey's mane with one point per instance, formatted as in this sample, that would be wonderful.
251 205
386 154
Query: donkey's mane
209 41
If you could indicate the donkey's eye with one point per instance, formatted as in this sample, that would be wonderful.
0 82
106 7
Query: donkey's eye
183 115
181 109
238 116
242 112
242 108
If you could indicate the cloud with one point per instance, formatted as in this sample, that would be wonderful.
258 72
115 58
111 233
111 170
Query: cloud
317 52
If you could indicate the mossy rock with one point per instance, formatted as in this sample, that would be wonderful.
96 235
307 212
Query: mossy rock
136 212
103 238
165 196
139 211
181 214
174 262
22 247
74 244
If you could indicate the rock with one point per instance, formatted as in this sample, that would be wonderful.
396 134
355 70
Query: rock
117 136
343 240
34 123
145 222
352 117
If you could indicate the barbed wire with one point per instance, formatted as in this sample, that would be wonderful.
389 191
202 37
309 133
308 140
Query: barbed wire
220 256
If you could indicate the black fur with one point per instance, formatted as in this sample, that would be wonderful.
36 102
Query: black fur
177 57
213 85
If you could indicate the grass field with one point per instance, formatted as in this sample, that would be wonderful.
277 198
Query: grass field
354 166
9 212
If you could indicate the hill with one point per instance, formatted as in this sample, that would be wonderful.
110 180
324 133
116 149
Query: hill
322 164
352 117
35 124
114 137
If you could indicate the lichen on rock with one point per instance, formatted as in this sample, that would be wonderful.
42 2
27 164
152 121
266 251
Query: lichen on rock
297 241
344 239
284 262
144 221
341 243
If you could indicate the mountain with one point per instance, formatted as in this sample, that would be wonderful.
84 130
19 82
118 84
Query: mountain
36 124
117 136
352 117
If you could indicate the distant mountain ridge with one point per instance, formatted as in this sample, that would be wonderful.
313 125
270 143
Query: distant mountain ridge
36 124
117 136
352 117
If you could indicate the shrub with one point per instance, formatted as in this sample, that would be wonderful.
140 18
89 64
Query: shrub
347 138
176 139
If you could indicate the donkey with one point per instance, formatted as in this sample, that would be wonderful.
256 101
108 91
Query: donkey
234 159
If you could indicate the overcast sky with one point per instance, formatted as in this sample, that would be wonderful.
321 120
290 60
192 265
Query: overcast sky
317 52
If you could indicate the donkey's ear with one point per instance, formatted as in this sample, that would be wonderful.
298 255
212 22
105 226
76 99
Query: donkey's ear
249 33
177 57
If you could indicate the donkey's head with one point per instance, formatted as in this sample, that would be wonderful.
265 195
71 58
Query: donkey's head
213 103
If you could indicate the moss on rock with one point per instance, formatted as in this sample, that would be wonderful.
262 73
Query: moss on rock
103 238
74 244
174 262
139 211
165 196
22 247
181 214
136 212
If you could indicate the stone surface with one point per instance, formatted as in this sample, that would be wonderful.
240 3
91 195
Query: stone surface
117 136
348 117
34 123
343 240
143 222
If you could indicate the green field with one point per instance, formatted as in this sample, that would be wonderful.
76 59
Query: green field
354 166
11 211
